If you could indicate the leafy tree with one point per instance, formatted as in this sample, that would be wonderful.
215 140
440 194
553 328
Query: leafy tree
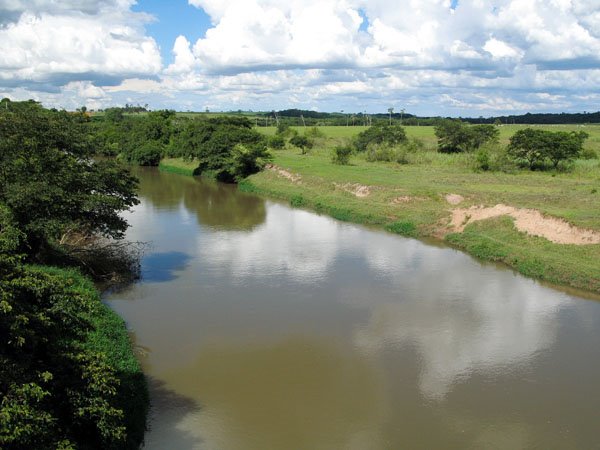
246 160
564 146
49 182
212 142
534 146
527 145
380 134
455 136
302 142
55 393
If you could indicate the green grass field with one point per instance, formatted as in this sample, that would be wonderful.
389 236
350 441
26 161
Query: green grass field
572 195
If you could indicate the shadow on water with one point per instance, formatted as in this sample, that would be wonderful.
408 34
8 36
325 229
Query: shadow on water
174 408
216 205
161 267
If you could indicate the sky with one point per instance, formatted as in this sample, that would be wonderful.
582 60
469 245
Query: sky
428 57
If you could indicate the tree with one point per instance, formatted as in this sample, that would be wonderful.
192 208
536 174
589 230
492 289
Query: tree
377 134
213 141
391 111
456 137
50 183
302 142
534 146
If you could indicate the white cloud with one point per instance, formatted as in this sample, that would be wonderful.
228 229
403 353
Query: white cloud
49 44
265 54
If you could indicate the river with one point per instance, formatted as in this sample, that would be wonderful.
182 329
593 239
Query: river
265 327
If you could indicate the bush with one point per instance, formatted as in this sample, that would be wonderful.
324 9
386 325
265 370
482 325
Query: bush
457 137
302 142
483 159
588 153
380 152
276 142
378 134
314 132
246 160
341 154
148 154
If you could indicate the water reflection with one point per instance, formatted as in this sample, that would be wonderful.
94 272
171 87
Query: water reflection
286 329
461 317
162 267
215 205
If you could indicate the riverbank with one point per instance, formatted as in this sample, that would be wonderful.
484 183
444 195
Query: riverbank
419 199
179 166
109 337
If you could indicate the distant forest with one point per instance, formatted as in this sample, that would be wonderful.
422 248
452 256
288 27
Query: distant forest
312 118
342 118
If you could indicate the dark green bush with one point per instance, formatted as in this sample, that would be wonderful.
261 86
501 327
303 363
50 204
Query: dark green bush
380 134
341 154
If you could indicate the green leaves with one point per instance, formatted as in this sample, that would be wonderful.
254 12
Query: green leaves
49 182
534 146
390 135
456 137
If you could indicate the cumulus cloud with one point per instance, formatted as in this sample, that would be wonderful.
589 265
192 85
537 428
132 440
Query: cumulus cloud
47 42
332 54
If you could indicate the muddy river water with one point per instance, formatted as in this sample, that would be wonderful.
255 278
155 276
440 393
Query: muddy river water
265 327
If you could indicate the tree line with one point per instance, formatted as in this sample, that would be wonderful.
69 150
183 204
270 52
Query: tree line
68 377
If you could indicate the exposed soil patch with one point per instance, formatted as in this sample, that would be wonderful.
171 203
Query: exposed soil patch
402 199
529 221
294 178
355 189
454 199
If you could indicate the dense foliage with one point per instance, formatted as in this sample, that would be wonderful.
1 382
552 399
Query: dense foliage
49 182
456 137
385 134
302 142
534 147
68 378
227 148
211 142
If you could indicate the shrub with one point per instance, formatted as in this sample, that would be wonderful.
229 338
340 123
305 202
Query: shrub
302 142
148 154
377 134
246 160
588 153
380 152
456 137
314 132
276 142
341 154
483 159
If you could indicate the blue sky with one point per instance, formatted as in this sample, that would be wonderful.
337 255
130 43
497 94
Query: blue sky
430 57
173 18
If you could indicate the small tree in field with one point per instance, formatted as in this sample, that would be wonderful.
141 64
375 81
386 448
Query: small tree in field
536 146
456 137
302 142
565 146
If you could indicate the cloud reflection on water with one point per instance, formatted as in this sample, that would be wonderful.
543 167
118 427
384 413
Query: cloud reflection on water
460 316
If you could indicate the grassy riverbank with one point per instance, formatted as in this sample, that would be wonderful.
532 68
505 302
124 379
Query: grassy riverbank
109 337
178 165
410 199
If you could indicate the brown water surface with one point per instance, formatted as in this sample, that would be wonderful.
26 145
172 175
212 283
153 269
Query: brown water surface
266 327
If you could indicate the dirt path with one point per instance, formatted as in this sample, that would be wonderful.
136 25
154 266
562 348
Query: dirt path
529 221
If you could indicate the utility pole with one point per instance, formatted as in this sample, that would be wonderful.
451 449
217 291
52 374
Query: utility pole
401 114
391 111
303 122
